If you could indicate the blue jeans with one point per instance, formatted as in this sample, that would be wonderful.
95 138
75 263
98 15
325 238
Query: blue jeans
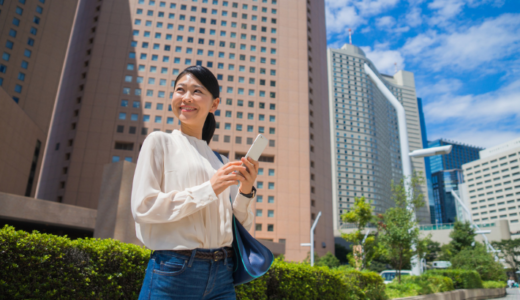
170 275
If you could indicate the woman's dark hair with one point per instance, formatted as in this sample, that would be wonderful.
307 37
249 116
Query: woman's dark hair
210 82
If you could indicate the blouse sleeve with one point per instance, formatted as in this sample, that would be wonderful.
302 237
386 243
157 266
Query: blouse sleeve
242 207
149 203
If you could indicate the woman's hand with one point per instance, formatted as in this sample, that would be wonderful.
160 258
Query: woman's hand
226 177
249 174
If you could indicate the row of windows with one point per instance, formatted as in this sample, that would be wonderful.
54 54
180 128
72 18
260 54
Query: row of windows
250 116
187 61
214 2
238 140
149 23
250 128
224 13
166 58
270 213
200 41
261 105
258 227
229 90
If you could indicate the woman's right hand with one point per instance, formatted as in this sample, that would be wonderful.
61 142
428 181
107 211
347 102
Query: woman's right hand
226 177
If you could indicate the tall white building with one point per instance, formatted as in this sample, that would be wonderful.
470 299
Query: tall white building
365 141
493 185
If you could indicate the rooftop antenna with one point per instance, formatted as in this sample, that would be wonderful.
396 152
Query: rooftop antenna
395 67
350 36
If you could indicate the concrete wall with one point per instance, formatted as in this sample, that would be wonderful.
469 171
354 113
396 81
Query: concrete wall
473 294
46 212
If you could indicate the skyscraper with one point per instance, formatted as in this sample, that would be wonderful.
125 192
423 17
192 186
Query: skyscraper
364 136
428 171
34 42
446 175
459 155
270 59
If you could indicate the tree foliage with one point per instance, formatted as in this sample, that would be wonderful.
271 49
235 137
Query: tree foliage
361 215
478 259
509 251
398 225
462 237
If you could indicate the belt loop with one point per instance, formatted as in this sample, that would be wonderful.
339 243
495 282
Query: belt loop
225 255
192 257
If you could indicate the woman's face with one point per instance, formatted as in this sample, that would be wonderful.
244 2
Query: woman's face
191 101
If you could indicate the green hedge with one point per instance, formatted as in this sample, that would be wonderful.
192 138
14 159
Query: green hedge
43 266
462 279
494 284
419 285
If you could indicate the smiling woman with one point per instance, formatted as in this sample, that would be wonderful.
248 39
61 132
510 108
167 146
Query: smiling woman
196 94
181 199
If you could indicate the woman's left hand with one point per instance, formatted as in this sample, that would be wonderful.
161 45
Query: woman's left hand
248 175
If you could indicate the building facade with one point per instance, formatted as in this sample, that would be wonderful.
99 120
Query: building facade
459 155
447 168
34 41
364 137
493 185
427 167
445 205
270 59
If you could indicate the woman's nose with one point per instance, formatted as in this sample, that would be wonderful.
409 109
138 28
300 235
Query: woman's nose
187 97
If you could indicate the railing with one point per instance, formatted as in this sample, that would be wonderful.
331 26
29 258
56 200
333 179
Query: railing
423 227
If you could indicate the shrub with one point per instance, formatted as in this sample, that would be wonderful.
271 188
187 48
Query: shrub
462 279
44 266
494 284
400 290
430 283
480 260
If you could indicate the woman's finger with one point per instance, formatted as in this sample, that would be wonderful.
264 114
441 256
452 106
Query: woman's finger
232 168
245 173
248 164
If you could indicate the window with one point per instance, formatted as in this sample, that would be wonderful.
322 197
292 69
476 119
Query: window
271 185
271 172
260 184
270 199
270 227
18 88
270 213
27 53
258 227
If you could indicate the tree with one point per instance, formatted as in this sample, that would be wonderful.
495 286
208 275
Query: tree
478 259
328 260
509 251
398 225
433 249
360 215
462 237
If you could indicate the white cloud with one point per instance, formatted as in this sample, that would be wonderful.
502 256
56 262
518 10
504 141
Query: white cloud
493 108
475 137
385 22
467 49
384 59
413 17
344 14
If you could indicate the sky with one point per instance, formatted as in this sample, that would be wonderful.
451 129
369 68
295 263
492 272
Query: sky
465 56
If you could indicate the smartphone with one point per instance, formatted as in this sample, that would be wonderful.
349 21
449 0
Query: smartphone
257 148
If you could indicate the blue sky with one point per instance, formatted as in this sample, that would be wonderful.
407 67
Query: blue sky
465 55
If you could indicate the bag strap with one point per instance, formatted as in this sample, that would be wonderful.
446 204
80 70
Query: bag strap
218 156
222 161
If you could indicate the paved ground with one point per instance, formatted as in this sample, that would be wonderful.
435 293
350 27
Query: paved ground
512 294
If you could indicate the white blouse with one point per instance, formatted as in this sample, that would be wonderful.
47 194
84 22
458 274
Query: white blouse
173 203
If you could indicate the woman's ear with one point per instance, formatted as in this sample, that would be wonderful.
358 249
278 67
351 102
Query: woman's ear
214 105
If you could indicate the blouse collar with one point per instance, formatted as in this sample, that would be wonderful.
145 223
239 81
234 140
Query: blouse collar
191 138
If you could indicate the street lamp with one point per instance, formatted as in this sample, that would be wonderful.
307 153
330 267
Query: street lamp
405 154
312 239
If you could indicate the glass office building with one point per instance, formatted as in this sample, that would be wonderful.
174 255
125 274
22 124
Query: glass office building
445 206
459 155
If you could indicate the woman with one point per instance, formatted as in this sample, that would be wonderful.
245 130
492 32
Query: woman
181 199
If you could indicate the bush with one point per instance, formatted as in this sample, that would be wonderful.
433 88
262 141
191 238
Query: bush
494 284
480 260
419 285
396 290
44 266
462 279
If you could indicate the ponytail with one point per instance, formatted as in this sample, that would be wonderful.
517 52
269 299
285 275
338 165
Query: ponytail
209 128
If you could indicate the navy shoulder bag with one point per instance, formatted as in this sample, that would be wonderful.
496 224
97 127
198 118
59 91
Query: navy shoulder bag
252 259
